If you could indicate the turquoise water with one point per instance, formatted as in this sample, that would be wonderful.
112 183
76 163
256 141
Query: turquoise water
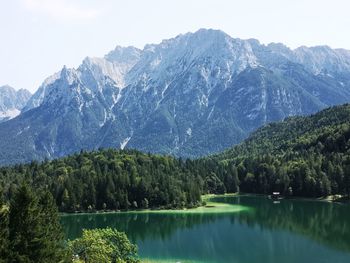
261 231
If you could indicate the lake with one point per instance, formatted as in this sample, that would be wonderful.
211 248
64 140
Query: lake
238 229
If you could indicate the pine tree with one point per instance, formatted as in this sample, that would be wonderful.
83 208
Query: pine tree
24 227
51 228
34 233
3 230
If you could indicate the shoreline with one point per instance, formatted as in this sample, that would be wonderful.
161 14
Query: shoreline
339 199
205 199
328 199
207 207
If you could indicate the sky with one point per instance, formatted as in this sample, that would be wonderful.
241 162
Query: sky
39 37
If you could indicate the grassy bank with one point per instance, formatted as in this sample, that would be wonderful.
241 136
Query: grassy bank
210 207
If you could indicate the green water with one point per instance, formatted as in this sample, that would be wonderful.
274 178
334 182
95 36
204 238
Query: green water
254 230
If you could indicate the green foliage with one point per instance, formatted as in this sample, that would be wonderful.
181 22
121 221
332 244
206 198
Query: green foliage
3 230
303 156
110 179
31 228
31 233
103 246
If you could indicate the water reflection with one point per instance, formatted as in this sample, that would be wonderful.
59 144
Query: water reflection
291 231
322 221
138 226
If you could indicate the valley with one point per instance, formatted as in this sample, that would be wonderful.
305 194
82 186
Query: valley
201 147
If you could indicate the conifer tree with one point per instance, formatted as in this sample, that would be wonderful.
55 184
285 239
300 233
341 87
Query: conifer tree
51 228
3 229
34 232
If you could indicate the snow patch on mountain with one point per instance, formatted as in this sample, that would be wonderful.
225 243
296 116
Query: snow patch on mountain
208 82
12 102
9 114
124 143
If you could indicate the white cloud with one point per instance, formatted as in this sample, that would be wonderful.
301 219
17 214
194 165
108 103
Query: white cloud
62 9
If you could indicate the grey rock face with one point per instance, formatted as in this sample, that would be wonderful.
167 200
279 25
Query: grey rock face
192 95
12 102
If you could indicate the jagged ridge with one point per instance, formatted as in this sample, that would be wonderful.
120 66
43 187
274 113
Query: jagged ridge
192 95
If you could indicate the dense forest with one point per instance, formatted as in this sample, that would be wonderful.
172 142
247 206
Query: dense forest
109 179
301 156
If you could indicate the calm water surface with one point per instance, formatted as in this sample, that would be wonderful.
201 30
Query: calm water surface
290 231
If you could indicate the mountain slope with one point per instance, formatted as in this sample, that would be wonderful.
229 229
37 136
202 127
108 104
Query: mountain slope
12 102
303 156
192 95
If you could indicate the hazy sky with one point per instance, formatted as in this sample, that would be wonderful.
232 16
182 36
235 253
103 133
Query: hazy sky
38 37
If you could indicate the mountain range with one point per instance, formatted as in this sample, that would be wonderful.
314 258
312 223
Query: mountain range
192 95
12 102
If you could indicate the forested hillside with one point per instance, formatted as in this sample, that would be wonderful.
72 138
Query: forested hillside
302 156
109 179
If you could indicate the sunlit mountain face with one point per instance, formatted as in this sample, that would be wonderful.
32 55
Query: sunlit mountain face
195 94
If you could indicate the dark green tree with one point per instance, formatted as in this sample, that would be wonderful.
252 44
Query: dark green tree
51 228
3 230
34 233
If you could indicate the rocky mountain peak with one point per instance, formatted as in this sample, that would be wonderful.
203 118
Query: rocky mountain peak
190 95
12 102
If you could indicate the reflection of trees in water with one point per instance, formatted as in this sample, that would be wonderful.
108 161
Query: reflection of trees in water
326 223
137 226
